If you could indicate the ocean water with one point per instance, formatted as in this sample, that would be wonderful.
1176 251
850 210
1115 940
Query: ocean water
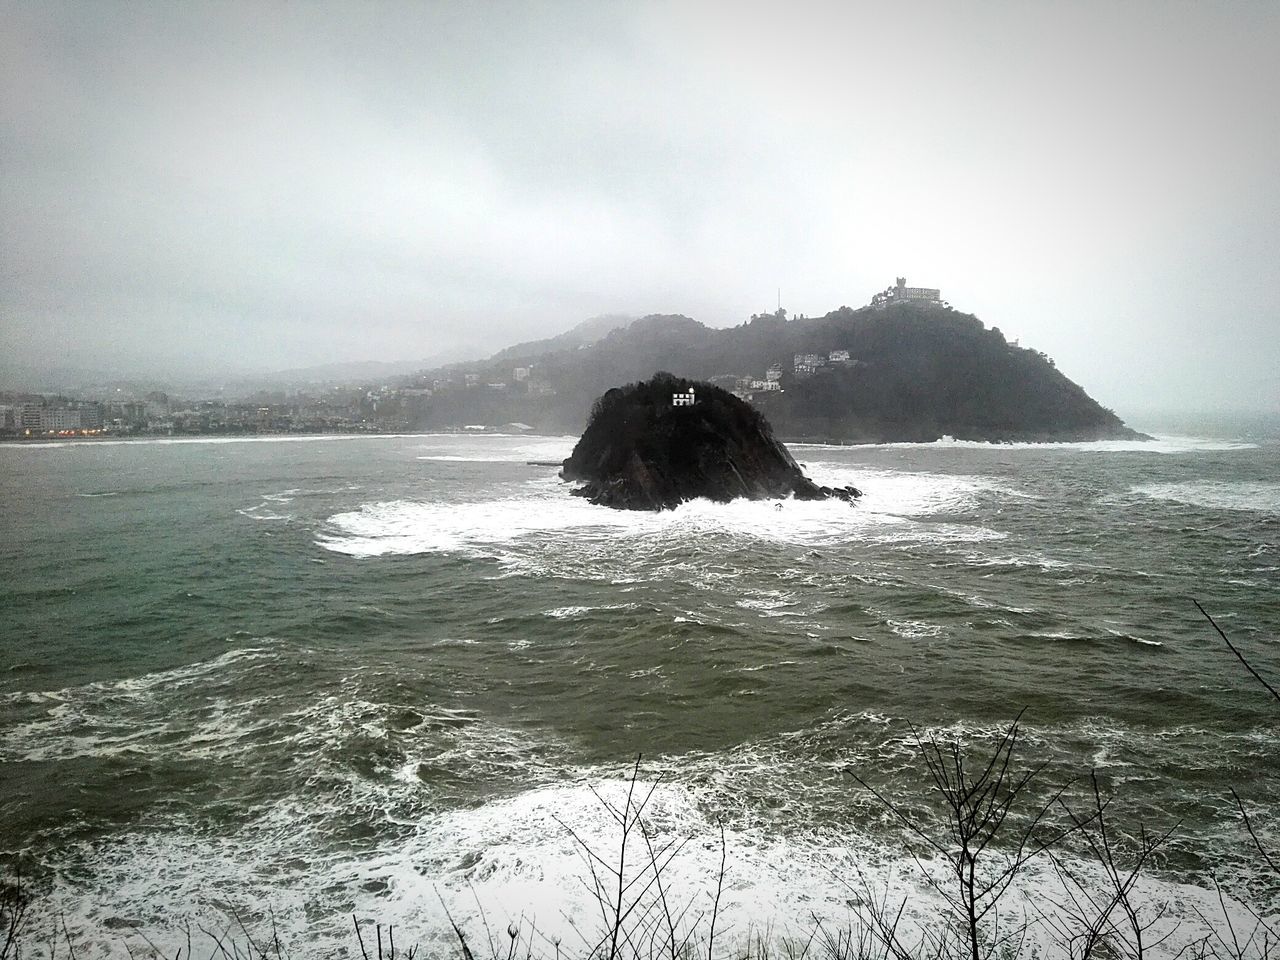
382 675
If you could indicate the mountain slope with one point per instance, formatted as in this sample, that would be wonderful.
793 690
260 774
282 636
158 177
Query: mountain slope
914 373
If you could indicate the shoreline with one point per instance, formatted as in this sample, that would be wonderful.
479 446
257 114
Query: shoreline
799 440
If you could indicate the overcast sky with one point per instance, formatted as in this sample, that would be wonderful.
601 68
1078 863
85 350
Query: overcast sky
267 185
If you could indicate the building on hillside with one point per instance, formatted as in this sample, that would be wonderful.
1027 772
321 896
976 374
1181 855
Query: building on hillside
520 374
806 364
839 356
679 399
774 373
541 388
901 293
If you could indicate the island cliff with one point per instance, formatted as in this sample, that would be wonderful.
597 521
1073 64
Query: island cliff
655 444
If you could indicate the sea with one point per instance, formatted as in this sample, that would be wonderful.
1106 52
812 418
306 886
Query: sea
287 681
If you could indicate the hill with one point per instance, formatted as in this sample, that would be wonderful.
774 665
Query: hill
582 335
899 374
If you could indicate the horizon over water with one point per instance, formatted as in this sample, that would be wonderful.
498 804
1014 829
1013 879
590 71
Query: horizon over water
326 675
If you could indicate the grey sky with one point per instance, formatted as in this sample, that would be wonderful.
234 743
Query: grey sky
265 185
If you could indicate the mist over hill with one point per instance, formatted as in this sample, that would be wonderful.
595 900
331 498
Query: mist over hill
906 373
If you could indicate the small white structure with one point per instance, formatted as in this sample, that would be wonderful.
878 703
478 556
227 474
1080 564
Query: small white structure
682 399
839 356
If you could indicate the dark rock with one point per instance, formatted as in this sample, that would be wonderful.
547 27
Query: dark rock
642 451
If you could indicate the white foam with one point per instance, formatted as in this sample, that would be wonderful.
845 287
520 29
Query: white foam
569 613
491 448
1262 497
909 493
522 860
915 629
536 523
139 714
517 856
1161 443
263 512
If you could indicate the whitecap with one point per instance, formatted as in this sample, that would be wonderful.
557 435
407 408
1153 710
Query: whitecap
525 859
546 523
1161 443
1259 496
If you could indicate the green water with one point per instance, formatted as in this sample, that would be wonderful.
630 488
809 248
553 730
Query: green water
334 674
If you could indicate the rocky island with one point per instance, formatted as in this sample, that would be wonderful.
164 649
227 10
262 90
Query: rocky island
655 444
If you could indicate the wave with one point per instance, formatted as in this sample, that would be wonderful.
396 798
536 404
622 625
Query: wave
138 714
911 493
495 448
374 825
1262 497
524 858
547 518
1157 444
572 613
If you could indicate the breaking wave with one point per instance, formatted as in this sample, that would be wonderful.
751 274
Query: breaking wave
895 508
1263 497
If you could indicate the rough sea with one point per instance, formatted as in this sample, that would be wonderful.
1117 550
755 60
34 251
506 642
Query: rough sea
319 676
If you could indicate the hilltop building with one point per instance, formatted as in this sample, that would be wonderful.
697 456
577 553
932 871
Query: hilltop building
901 293
682 399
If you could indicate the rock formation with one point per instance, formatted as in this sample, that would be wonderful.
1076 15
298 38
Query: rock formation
655 444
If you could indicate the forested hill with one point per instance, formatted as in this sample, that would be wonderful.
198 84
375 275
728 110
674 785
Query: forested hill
912 373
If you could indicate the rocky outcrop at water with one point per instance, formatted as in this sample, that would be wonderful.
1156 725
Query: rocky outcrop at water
655 444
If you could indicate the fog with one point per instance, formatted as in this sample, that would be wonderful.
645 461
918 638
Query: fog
209 187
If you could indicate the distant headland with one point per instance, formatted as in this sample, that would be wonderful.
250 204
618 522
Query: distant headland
905 367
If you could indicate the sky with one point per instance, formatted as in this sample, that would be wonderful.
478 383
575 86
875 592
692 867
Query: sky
193 187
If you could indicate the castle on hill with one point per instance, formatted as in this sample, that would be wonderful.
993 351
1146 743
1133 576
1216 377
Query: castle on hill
901 293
